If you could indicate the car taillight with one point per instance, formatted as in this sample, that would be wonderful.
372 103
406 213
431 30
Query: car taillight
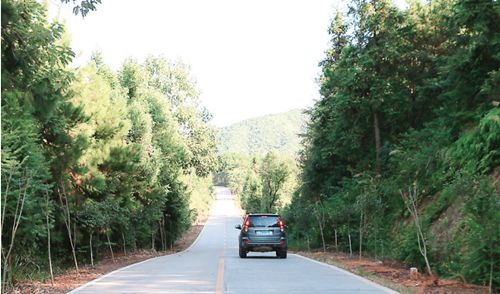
247 224
282 224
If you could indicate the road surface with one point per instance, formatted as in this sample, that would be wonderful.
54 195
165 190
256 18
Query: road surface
212 265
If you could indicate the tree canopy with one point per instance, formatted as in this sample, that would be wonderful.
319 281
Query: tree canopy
409 103
93 157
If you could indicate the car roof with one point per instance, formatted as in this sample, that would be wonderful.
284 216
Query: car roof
268 214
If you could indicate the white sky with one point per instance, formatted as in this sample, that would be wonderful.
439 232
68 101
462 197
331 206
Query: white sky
249 57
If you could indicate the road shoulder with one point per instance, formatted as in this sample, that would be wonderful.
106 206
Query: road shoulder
70 280
395 276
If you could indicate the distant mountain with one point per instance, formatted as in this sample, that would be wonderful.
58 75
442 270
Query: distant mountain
278 132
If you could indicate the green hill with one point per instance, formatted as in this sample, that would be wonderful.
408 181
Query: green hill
278 132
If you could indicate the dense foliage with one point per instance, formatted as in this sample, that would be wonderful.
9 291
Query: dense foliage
262 183
93 160
257 159
409 112
275 132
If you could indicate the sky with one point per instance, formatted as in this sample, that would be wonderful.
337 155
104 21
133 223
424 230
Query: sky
248 57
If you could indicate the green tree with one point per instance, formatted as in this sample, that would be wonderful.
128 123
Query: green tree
173 80
274 173
35 97
483 240
92 220
408 96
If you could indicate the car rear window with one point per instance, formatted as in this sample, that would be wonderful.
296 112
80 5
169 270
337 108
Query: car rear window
265 221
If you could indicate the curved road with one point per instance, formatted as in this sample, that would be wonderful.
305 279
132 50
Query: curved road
212 265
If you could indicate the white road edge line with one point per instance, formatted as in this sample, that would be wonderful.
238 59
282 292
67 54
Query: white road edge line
364 280
134 264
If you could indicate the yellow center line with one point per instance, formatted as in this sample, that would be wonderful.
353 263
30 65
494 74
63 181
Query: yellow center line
219 287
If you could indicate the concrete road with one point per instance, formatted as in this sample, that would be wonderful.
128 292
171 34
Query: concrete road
212 265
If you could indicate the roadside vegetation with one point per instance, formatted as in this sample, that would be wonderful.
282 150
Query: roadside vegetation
400 158
94 161
263 183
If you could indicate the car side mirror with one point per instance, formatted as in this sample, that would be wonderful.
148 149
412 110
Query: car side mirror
237 227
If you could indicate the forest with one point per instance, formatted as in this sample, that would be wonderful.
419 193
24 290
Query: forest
94 160
274 132
400 158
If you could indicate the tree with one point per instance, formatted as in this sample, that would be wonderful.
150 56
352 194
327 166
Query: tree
251 194
173 80
482 239
274 172
411 200
91 218
35 98
407 96
84 7
89 151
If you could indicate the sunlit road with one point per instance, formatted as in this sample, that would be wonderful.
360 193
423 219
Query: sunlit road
212 265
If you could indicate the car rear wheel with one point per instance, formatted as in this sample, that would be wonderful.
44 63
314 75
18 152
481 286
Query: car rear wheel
243 253
281 253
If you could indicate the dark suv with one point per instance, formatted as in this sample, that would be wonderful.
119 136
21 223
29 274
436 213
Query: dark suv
263 232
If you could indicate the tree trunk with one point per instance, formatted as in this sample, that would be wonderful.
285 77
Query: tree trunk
411 204
67 221
378 144
336 243
91 251
163 245
74 233
134 244
124 244
490 287
322 234
361 236
48 240
320 217
4 202
165 234
110 248
153 239
270 203
350 246
171 236
17 220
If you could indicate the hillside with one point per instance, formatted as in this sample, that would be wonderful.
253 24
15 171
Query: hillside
278 132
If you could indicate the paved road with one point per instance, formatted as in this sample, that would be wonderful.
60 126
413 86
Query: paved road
212 265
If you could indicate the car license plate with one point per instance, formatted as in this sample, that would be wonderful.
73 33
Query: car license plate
264 233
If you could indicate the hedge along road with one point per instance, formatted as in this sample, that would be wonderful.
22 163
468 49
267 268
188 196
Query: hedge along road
212 265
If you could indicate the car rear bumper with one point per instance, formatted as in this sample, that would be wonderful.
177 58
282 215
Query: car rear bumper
248 245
